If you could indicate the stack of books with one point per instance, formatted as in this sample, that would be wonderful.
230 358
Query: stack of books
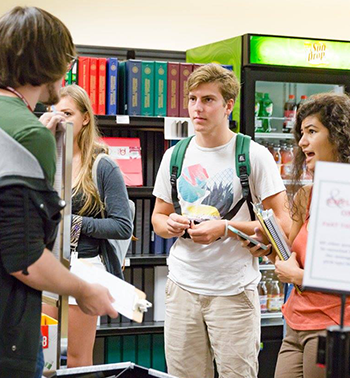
274 234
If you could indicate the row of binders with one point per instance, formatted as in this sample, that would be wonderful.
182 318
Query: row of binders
274 233
134 87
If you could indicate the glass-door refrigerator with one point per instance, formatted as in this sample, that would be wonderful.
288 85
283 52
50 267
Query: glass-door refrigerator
277 73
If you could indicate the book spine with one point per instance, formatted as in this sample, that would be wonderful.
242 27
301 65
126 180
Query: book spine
93 84
196 65
148 289
160 89
146 239
138 229
112 86
173 89
133 87
101 104
147 88
122 105
185 71
84 73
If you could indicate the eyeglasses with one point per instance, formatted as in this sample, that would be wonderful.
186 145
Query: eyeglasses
72 62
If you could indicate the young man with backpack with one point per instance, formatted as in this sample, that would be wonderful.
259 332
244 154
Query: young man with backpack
212 304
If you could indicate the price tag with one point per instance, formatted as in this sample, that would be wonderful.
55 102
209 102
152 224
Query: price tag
127 261
124 119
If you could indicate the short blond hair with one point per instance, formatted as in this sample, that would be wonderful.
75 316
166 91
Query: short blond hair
214 73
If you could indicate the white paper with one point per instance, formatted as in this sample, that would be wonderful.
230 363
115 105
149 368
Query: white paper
327 263
124 119
123 293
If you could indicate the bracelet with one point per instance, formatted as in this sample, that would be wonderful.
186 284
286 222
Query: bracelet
268 253
226 228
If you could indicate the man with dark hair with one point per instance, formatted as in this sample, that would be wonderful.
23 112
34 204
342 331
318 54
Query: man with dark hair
36 51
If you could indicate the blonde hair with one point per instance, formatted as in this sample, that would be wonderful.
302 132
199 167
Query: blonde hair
90 147
214 73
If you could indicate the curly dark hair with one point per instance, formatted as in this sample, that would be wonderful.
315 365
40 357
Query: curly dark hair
333 111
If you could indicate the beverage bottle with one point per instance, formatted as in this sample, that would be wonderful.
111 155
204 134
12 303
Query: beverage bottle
287 156
302 100
273 297
262 296
268 284
266 110
290 112
277 156
258 121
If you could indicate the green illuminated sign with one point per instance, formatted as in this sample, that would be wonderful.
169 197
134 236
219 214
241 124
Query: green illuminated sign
294 52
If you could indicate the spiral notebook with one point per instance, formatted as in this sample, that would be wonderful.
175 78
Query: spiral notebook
274 233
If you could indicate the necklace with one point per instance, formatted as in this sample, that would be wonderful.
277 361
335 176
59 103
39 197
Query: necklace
19 95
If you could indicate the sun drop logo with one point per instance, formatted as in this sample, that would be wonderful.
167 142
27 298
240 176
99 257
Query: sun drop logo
316 53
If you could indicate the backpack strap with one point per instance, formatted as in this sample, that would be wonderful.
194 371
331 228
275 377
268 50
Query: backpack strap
243 172
176 162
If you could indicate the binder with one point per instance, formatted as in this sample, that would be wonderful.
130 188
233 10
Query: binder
274 233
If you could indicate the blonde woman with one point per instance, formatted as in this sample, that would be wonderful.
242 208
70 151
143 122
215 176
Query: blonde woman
88 207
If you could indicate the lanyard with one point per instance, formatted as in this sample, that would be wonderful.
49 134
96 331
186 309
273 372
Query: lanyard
19 95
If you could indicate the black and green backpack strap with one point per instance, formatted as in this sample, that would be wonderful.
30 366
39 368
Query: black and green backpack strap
176 161
243 172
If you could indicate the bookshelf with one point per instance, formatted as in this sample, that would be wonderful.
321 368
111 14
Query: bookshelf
116 338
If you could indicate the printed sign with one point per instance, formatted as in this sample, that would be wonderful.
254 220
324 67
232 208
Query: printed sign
327 263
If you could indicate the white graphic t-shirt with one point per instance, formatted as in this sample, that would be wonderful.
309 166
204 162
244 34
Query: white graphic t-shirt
208 188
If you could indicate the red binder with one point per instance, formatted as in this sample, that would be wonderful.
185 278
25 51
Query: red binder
127 153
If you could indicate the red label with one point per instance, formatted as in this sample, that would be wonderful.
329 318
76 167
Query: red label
45 333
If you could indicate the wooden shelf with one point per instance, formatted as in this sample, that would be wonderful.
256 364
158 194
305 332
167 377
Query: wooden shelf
146 260
144 192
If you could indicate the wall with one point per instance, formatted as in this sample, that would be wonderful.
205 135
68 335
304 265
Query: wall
183 24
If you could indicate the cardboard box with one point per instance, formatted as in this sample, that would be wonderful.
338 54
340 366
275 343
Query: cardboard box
49 331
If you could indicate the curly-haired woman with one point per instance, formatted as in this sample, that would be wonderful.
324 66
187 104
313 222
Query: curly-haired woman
322 133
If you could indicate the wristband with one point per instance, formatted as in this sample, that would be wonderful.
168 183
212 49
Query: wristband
268 253
226 228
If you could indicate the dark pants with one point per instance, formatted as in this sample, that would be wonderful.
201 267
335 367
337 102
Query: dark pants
40 361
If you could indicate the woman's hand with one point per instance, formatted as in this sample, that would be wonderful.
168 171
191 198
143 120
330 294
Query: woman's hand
51 120
289 271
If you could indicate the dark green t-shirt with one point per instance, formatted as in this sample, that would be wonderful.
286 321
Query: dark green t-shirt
23 126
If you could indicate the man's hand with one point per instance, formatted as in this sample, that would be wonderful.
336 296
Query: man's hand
51 120
289 270
177 224
207 232
96 300
255 250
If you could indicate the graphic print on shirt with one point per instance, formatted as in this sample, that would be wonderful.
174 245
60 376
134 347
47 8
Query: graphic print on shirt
204 197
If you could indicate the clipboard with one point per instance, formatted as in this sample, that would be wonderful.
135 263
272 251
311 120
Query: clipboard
128 300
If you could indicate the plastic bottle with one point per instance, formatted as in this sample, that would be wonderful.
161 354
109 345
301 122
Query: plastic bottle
258 121
277 156
290 112
262 296
273 297
302 100
266 110
268 284
287 157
